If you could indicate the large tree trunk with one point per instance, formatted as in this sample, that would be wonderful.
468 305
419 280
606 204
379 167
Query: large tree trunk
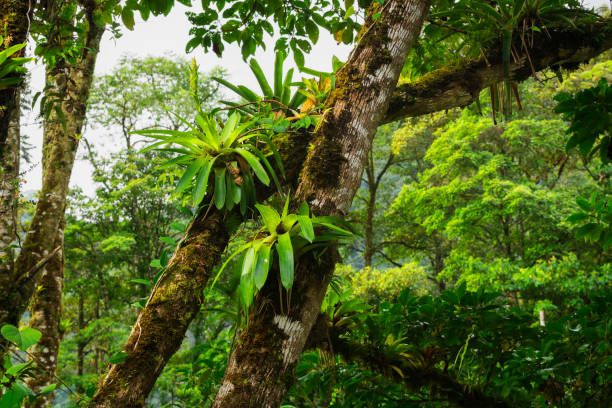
14 23
9 190
162 323
61 139
261 368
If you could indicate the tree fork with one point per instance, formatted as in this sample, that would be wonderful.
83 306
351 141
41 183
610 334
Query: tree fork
261 369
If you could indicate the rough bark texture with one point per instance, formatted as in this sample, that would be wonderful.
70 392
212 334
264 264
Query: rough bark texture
460 85
162 323
60 141
261 369
9 188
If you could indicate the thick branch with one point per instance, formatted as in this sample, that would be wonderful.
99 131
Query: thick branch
458 86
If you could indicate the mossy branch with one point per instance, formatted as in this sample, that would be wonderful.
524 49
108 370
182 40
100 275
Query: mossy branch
460 84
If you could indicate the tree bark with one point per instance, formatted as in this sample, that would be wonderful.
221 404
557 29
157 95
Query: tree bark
46 312
261 368
60 142
162 323
416 378
14 22
9 190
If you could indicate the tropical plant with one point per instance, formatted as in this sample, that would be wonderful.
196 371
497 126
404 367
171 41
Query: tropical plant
11 68
231 152
590 115
275 98
286 234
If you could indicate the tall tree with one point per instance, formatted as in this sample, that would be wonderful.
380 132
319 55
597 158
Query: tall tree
247 377
68 85
14 20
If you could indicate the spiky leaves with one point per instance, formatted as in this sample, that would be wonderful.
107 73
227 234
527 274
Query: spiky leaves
230 153
287 236
275 97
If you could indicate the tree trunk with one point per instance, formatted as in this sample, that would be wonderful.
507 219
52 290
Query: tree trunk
9 189
46 312
261 368
162 323
14 23
60 142
81 343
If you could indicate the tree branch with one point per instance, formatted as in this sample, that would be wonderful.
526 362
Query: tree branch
459 85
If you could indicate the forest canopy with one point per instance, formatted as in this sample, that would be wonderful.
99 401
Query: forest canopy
427 224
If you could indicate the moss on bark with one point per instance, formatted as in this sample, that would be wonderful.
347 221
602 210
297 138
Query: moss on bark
162 323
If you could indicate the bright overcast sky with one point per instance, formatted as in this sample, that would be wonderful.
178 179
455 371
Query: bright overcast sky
165 35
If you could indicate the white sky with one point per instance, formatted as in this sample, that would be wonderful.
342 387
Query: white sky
162 35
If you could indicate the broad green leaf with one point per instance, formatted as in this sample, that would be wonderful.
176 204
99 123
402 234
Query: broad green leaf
202 182
188 175
306 229
156 263
219 187
255 165
270 217
11 333
261 78
29 337
14 396
167 240
10 51
304 210
178 226
118 358
229 127
48 389
278 74
141 281
247 286
285 259
262 266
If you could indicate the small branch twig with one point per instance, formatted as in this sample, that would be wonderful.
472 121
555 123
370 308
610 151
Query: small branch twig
28 275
